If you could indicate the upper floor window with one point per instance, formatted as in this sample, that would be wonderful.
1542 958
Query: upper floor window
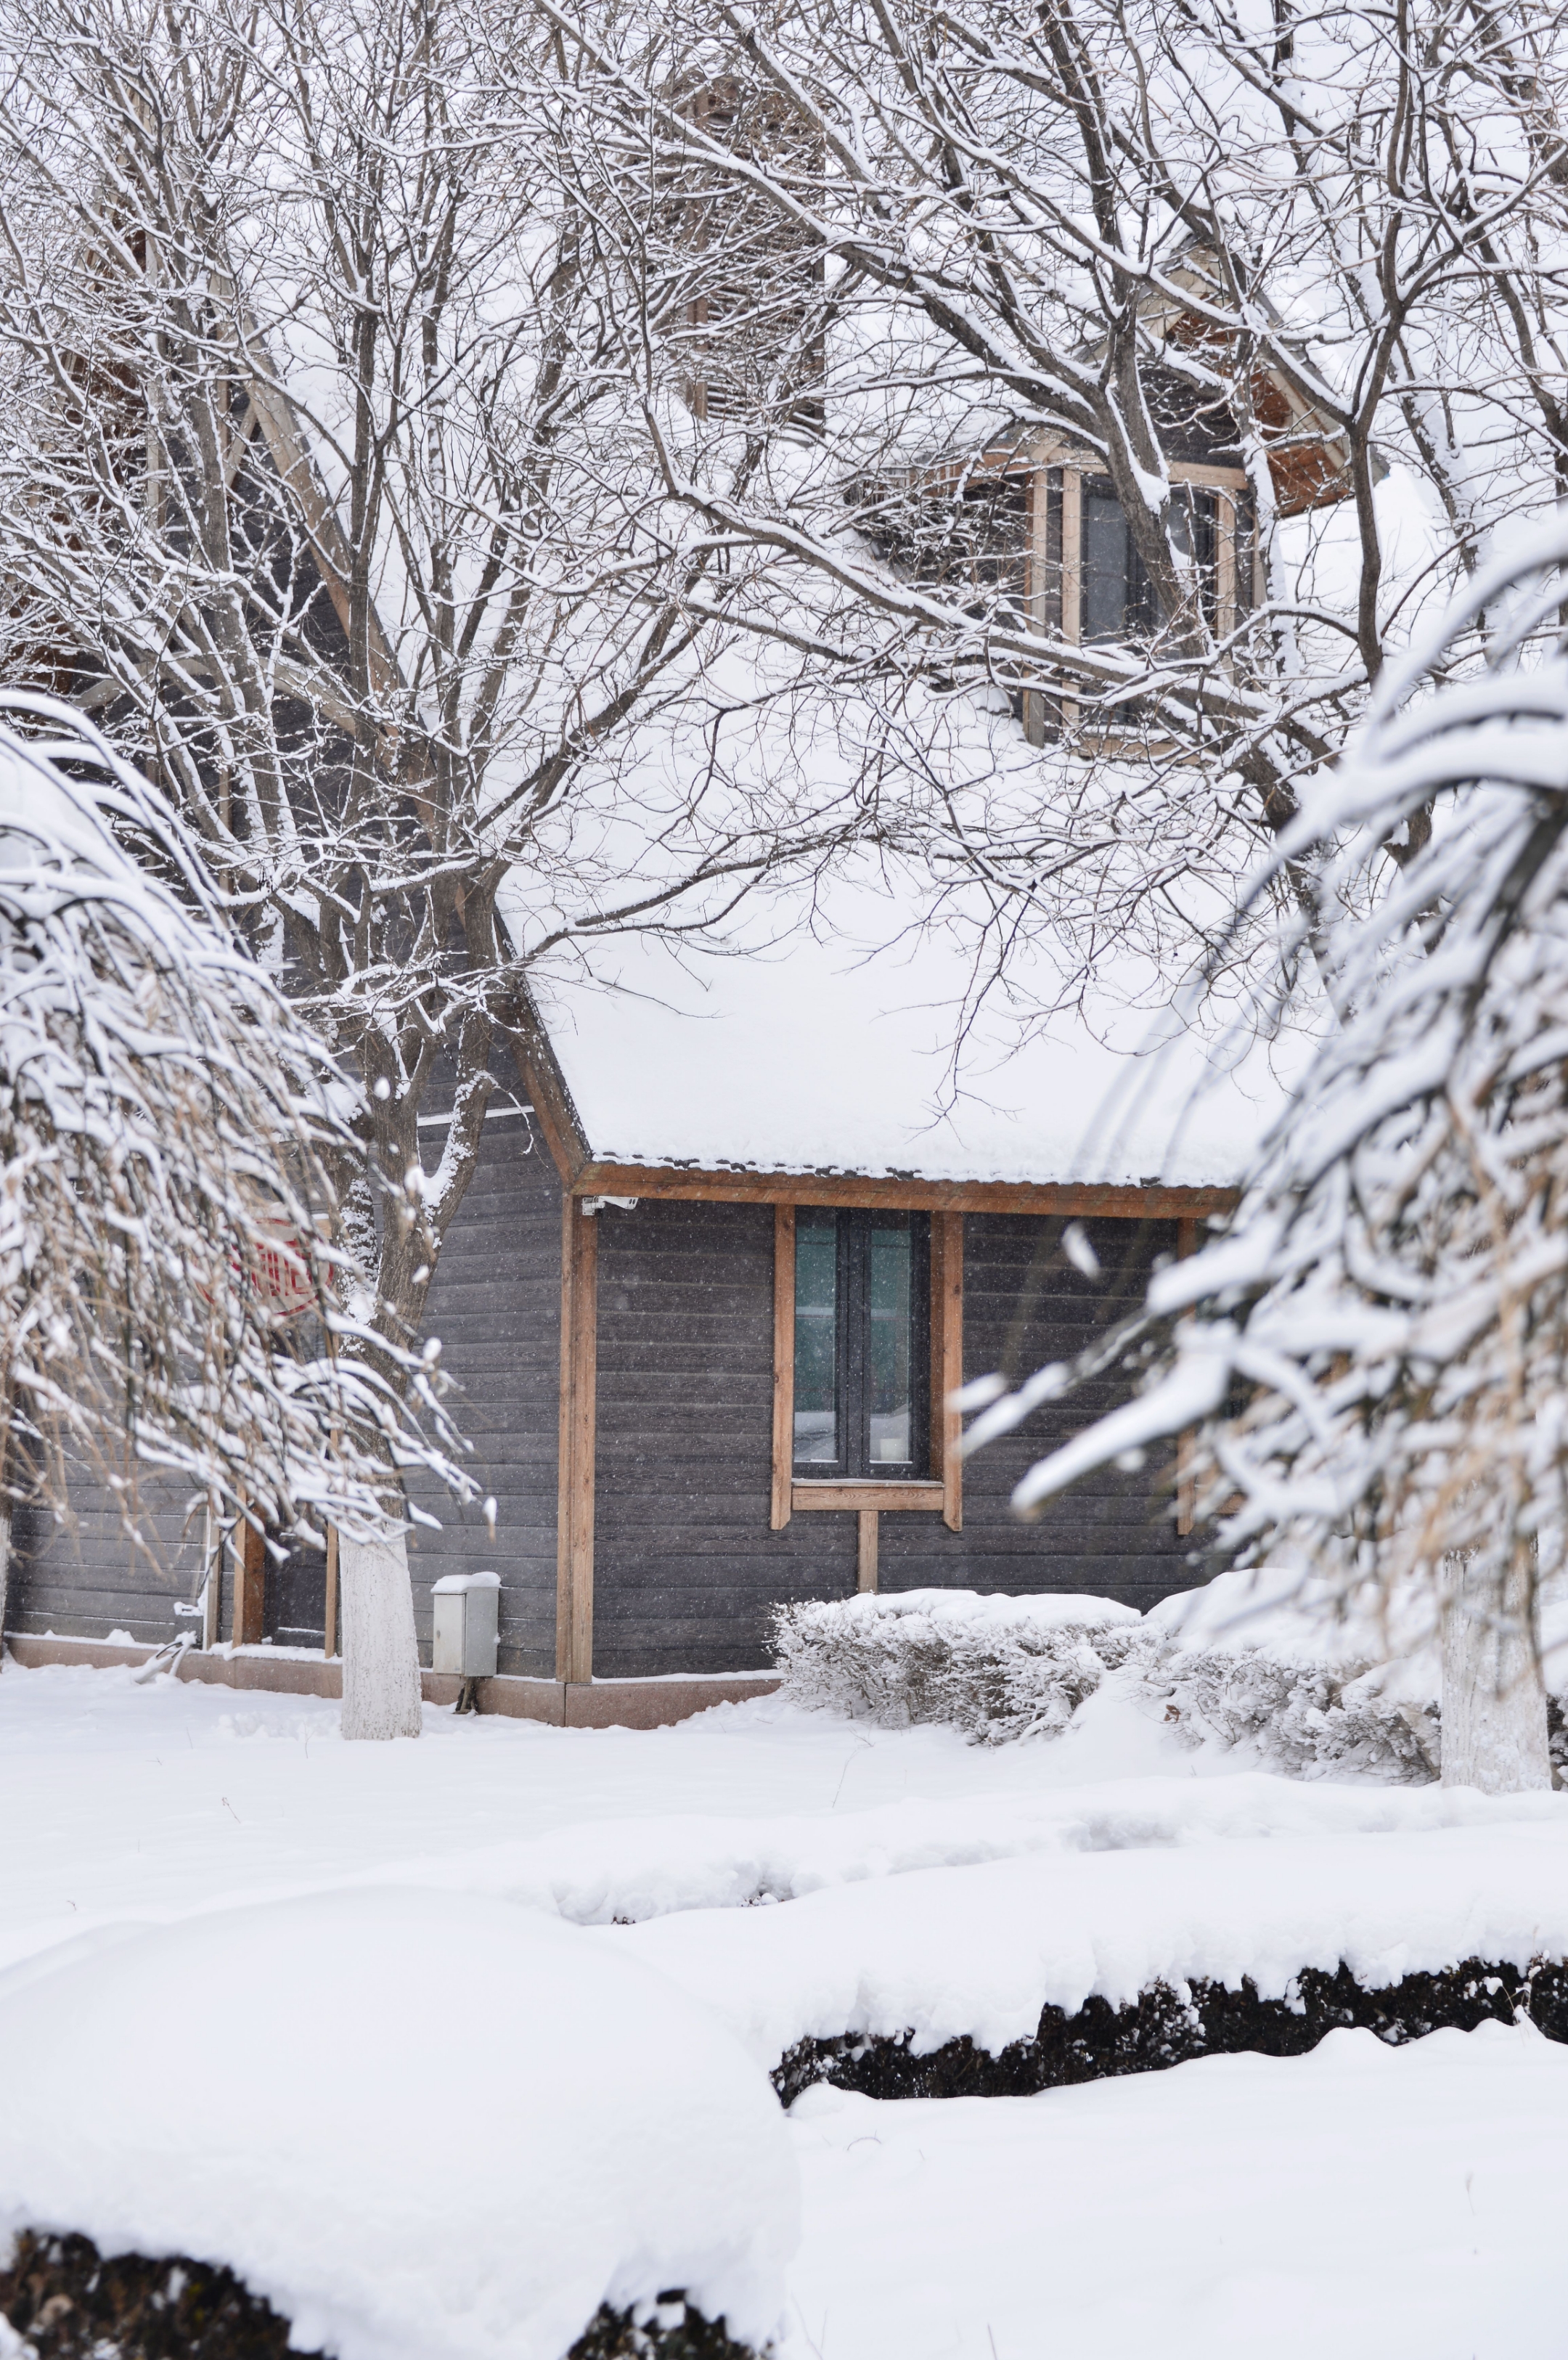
1118 596
862 1343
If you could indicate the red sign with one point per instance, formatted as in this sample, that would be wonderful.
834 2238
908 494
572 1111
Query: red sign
281 1277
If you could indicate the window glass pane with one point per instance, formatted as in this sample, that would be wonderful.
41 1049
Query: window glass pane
1106 567
889 1374
816 1337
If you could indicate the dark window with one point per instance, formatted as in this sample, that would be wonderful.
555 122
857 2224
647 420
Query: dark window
294 1612
862 1343
1118 596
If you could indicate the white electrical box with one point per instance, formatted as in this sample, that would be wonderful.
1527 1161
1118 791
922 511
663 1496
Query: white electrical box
467 1605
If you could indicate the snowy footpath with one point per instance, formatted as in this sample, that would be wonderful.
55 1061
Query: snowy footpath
443 2045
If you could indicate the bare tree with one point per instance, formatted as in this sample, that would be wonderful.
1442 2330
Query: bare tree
423 426
1130 243
314 490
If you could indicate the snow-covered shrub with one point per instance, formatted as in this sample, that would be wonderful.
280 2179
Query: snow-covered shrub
997 1667
599 2140
1264 1659
1259 1659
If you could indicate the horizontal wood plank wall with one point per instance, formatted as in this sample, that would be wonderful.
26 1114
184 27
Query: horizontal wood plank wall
1113 1535
87 1580
496 1305
686 1560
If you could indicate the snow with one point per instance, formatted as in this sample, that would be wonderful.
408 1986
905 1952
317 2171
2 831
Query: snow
947 1952
453 1585
1376 2204
829 1046
221 1925
995 1610
463 2130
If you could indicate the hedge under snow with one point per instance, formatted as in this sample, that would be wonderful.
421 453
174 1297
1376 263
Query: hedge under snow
490 2124
1254 1660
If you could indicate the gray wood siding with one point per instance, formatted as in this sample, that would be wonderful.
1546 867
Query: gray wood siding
496 1305
83 1579
686 1564
686 1567
1026 1305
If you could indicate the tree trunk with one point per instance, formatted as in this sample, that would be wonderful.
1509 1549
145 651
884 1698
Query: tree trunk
380 1652
1494 1705
4 1569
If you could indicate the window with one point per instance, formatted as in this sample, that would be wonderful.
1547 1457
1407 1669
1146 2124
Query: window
862 1343
1118 595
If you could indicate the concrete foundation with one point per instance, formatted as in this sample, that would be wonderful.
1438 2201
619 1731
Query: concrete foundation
565 1704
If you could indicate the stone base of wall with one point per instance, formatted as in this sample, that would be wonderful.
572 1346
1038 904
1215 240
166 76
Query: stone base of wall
565 1704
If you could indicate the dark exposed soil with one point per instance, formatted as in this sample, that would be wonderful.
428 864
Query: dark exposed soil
1164 2027
72 2304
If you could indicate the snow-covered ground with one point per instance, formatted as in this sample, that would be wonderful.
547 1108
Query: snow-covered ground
156 1837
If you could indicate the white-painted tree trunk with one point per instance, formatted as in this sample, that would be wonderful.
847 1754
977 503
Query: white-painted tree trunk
1494 1705
380 1652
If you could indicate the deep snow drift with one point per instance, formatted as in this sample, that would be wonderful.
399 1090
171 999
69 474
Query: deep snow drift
1369 2203
438 2125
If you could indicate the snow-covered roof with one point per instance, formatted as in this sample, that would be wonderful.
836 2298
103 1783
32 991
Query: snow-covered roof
825 1043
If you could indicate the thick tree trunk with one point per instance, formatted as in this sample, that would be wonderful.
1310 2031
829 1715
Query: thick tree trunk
1494 1705
380 1652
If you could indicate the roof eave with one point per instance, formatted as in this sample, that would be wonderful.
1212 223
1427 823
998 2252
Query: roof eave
1081 1199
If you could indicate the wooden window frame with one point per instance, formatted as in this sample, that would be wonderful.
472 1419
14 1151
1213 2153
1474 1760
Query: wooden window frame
1054 597
853 1231
1186 1441
940 1493
574 1502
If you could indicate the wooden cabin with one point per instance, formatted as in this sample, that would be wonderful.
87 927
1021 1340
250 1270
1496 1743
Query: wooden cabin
733 1246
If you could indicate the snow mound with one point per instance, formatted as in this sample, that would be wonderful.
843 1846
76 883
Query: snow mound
995 1666
1373 2202
450 2126
948 1953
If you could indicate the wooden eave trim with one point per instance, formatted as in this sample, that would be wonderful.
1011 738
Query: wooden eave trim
552 1104
1073 1199
1082 460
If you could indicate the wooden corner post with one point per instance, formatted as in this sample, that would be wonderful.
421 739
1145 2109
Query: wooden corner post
783 1363
947 1361
249 1617
1186 1477
574 1511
